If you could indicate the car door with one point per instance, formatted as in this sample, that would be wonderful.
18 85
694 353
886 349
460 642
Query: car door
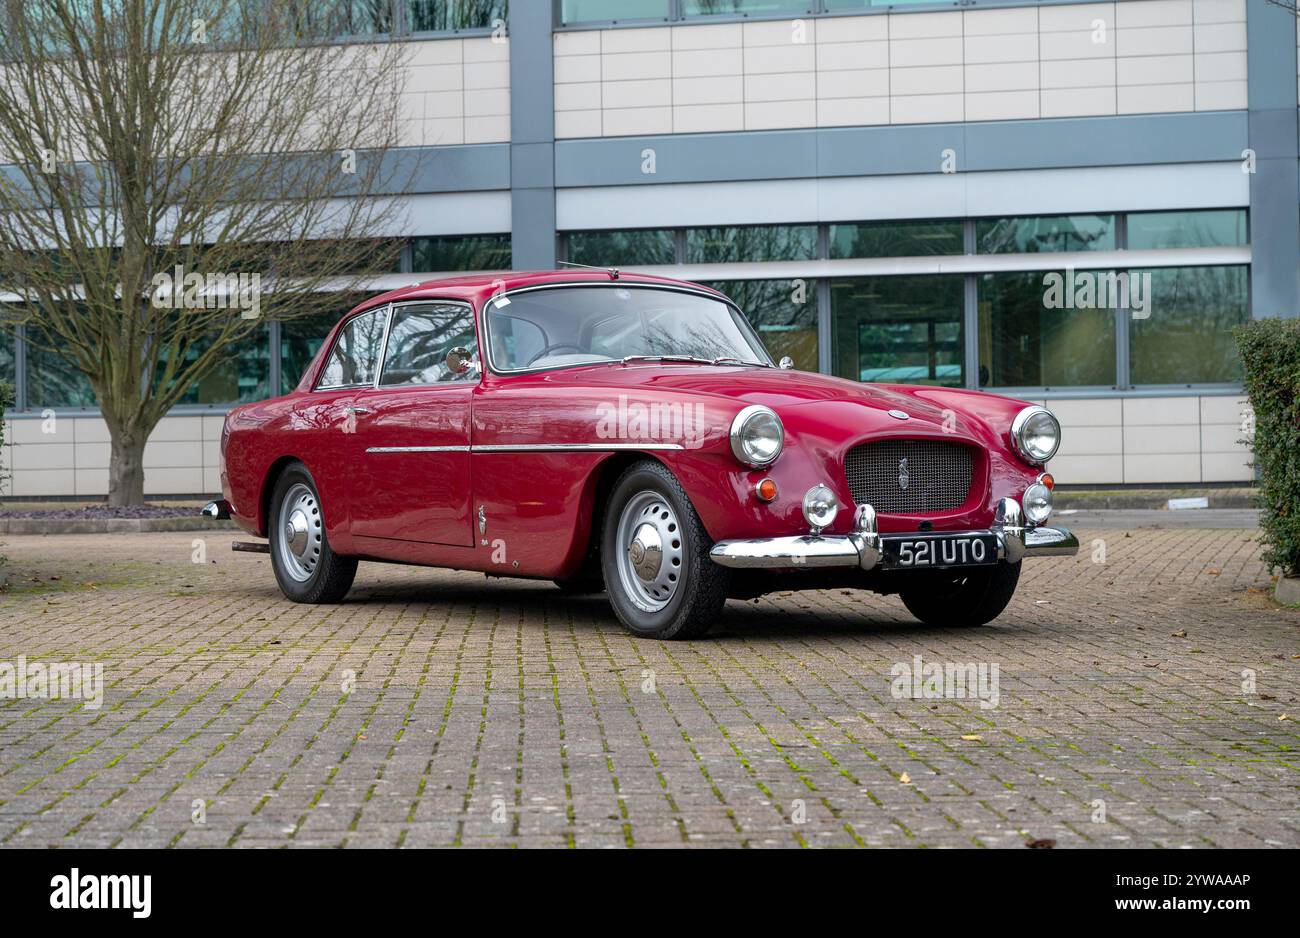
413 430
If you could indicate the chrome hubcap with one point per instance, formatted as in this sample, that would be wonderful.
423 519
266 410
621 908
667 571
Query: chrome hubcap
301 535
650 551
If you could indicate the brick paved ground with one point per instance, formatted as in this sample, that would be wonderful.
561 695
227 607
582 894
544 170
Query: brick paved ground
502 713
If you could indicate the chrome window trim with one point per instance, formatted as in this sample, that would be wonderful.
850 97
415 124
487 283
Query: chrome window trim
418 449
392 314
486 352
388 312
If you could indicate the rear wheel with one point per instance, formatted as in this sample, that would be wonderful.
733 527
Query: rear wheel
305 566
962 598
655 556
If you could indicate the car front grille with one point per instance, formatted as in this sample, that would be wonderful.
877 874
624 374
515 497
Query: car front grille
937 475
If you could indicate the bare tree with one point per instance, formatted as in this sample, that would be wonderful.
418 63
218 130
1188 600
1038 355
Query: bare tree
174 173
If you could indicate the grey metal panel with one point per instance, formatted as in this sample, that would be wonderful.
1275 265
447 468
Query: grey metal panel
471 168
533 236
1209 136
532 136
1275 184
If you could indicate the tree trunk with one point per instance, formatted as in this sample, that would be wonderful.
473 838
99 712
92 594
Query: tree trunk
126 467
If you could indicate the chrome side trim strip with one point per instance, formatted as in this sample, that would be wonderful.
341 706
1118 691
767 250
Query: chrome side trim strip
418 449
531 448
575 447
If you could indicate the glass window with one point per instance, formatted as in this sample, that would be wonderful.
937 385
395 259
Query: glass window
330 18
1028 339
443 15
1045 233
767 243
747 7
355 355
1211 229
8 367
242 375
599 11
300 340
564 326
419 340
1185 334
464 252
52 380
896 238
622 248
783 311
902 330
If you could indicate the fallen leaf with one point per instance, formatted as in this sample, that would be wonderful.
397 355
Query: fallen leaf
973 738
1040 844
1181 633
1267 697
1283 716
905 779
1213 571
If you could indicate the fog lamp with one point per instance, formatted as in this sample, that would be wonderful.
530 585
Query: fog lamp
1037 503
820 507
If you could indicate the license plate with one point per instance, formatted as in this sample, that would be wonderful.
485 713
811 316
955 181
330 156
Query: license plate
940 550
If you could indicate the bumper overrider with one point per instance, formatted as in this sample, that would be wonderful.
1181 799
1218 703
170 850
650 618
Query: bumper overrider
864 547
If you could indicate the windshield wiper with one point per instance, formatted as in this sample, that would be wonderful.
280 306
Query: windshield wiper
690 359
727 359
667 358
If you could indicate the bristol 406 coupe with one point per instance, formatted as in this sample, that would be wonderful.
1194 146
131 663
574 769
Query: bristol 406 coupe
630 434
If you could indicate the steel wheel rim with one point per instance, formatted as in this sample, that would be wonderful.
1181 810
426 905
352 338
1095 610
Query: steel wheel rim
299 534
649 550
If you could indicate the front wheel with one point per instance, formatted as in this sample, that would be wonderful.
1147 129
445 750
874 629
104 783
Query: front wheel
962 598
305 566
654 553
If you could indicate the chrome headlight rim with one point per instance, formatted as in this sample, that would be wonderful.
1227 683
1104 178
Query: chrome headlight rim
1017 435
741 422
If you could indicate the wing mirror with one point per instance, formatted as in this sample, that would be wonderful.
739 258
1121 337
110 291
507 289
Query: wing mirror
787 363
460 361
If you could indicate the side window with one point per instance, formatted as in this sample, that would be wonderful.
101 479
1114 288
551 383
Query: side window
419 341
355 356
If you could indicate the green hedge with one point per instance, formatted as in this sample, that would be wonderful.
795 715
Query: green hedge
1270 351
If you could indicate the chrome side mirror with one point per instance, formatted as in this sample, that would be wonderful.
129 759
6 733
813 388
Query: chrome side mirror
787 363
459 360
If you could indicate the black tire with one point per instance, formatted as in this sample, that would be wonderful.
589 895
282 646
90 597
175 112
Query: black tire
963 599
581 585
699 588
329 575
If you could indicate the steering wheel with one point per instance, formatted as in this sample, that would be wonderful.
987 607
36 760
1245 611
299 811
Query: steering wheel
551 348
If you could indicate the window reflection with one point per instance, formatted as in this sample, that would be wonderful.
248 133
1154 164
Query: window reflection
904 330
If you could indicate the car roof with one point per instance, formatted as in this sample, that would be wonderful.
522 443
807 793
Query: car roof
476 288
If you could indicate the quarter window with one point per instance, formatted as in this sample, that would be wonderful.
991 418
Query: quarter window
419 341
355 356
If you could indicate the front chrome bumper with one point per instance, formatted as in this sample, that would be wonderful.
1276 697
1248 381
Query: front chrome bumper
862 547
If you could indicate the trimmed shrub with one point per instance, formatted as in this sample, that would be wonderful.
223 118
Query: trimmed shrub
1270 351
6 401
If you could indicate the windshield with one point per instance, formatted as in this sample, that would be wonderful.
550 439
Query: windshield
558 326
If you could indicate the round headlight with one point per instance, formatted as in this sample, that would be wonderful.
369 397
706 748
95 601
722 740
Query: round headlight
757 436
1038 503
1035 435
820 507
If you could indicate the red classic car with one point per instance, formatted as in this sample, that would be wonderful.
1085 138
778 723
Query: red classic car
630 434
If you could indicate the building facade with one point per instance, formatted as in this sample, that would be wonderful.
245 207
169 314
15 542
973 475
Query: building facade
1072 203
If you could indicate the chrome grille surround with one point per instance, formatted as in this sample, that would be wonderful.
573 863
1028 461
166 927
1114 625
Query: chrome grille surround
937 473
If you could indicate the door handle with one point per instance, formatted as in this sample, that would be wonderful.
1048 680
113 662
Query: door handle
357 411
